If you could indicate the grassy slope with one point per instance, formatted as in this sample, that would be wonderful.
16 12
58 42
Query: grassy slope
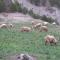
13 41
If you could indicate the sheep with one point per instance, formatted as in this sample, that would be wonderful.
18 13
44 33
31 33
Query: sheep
54 23
10 25
43 28
34 22
45 23
37 26
25 57
3 26
25 29
50 39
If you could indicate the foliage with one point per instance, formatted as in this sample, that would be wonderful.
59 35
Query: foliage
2 6
24 10
48 19
36 16
16 7
55 2
43 2
36 2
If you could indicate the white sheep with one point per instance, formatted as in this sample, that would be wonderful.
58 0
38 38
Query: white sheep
45 23
50 39
10 25
25 57
43 28
34 22
54 23
25 29
3 26
38 25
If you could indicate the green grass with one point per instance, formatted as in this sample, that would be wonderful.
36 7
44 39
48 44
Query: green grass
13 41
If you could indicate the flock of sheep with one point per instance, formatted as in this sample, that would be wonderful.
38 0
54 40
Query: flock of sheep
41 26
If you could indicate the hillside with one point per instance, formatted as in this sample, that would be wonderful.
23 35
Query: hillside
36 6
42 10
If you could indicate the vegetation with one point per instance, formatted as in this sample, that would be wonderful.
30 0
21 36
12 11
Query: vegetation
48 19
35 16
44 18
13 41
2 6
24 10
55 3
36 2
52 2
18 7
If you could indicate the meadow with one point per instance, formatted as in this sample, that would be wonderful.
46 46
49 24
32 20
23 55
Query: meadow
12 41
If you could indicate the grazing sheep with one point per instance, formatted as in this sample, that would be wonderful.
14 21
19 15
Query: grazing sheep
10 25
3 26
44 28
34 22
45 23
38 25
54 23
25 29
49 39
25 57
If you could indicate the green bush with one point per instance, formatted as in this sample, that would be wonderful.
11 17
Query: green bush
2 6
55 2
36 2
16 7
36 16
44 18
43 2
48 19
57 22
24 10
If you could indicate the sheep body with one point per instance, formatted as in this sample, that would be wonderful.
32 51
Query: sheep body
10 25
54 23
45 23
25 29
49 39
44 28
37 25
3 26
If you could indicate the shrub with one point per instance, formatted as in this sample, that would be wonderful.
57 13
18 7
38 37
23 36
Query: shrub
57 22
36 2
24 10
2 6
48 19
36 16
55 2
16 7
